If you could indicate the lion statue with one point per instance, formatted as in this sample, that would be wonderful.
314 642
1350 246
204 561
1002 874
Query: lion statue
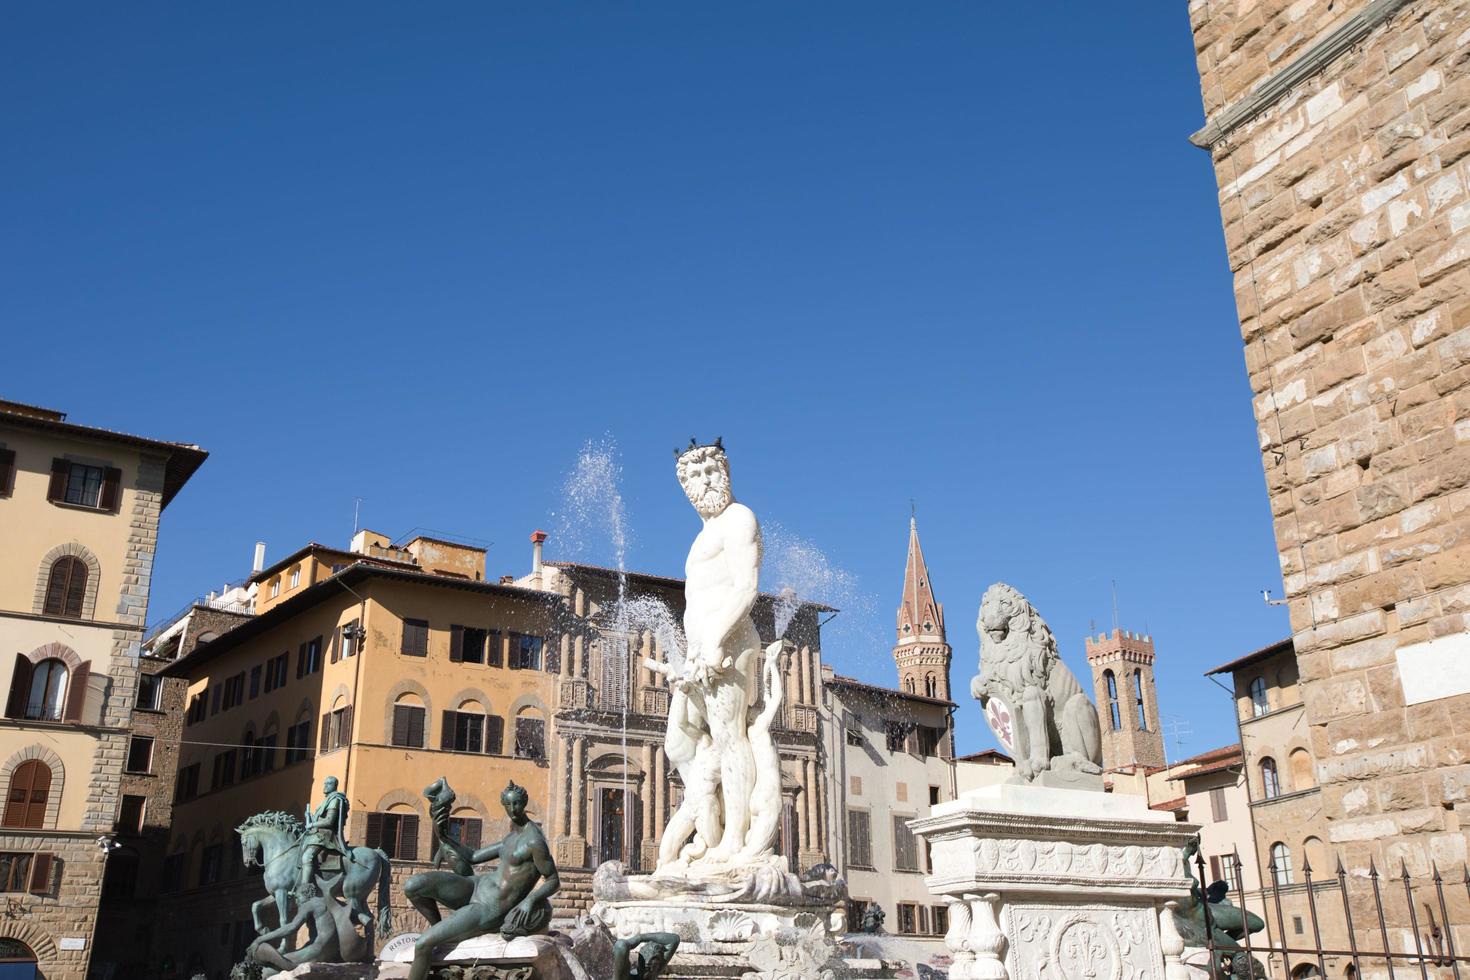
1054 724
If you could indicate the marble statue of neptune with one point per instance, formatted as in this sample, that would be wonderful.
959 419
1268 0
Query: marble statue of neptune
722 576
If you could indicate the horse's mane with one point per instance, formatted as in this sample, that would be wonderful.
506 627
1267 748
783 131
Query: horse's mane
276 820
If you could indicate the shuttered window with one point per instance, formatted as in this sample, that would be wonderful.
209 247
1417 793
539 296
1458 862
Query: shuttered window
26 872
66 587
415 638
7 472
336 729
408 726
1217 804
859 839
462 731
25 799
467 644
466 830
905 848
494 734
298 742
396 833
530 738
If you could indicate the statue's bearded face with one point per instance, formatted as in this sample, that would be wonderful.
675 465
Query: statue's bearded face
330 785
704 474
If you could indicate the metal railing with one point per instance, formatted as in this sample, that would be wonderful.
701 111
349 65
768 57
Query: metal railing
1433 948
212 600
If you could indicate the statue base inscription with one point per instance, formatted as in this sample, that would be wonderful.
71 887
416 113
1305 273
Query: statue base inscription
1054 884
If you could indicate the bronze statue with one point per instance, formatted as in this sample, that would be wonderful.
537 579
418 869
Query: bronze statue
1228 924
507 900
873 919
274 841
323 832
334 939
645 956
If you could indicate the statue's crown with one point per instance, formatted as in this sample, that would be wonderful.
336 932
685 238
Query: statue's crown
695 444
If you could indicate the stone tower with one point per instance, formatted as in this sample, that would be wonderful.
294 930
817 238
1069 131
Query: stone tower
1127 703
922 653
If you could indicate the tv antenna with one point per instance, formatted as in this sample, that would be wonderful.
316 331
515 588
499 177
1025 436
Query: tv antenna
1175 729
356 516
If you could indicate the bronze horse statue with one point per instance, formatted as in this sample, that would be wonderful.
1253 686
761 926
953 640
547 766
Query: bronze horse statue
273 840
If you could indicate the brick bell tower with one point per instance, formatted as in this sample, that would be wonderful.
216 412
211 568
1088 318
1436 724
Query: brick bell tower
922 652
1127 702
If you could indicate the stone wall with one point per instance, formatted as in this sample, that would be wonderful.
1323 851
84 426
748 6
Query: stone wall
1343 162
56 923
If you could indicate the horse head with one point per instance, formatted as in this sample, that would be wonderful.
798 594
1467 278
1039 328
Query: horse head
249 846
266 835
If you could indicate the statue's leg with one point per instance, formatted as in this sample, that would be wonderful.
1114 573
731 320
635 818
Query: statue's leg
283 909
1038 735
255 909
737 765
1021 739
266 955
474 919
428 890
681 825
1081 736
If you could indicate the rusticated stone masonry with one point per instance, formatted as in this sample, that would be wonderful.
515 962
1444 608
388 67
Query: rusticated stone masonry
1340 137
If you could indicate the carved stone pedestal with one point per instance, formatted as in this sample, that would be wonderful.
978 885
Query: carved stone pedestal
1056 884
553 956
570 852
746 941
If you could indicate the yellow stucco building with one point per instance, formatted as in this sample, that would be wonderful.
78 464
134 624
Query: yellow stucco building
384 667
388 666
79 513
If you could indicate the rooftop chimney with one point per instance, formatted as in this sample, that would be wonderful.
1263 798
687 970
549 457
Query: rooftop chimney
538 537
259 557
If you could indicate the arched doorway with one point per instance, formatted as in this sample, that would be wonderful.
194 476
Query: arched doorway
17 962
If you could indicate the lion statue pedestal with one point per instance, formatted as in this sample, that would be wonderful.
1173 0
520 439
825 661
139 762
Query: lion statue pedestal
1054 883
1046 876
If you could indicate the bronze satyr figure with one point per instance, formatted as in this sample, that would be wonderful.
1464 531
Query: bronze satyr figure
513 899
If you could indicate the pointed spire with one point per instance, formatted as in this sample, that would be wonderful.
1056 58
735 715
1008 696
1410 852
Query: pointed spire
918 611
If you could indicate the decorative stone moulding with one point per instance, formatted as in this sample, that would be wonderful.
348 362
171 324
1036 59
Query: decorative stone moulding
1057 884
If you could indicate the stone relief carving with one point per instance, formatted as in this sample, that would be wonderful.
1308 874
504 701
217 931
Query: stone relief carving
1028 857
1094 943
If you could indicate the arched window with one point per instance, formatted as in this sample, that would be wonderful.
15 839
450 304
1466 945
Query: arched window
530 735
1314 853
931 686
1301 770
66 587
1259 703
25 798
17 956
1270 779
47 698
1138 700
1112 683
1281 861
908 684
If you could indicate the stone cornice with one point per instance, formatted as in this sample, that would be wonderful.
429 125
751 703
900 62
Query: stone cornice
1304 66
964 821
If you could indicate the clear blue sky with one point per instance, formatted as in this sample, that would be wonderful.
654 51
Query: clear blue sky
954 252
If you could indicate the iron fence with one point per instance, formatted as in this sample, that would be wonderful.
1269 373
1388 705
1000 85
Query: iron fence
1434 948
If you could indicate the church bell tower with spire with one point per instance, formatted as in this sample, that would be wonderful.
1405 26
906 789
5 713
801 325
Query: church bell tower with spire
922 652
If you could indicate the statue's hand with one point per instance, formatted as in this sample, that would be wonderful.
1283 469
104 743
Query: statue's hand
516 920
